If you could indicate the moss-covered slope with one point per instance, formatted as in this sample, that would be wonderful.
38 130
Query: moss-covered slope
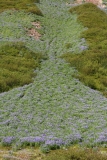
91 63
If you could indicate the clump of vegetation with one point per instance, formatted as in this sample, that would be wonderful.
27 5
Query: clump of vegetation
75 154
17 64
72 153
26 5
92 63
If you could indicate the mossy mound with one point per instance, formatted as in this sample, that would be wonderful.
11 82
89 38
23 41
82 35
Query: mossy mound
92 63
26 5
17 64
75 153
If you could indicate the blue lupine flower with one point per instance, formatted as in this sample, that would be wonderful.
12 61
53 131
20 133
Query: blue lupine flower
8 140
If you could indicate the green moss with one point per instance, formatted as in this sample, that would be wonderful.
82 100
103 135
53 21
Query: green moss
92 63
17 64
26 5
75 153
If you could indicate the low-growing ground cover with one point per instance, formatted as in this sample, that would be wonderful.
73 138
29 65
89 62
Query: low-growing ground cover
18 61
14 26
75 153
26 5
91 63
55 110
71 153
17 65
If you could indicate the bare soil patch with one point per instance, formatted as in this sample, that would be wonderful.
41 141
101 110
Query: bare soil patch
99 3
33 32
37 25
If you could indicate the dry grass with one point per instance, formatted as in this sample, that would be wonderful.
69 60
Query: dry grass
24 154
72 153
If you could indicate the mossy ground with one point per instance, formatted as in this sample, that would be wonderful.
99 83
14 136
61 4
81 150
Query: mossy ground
26 5
17 65
91 63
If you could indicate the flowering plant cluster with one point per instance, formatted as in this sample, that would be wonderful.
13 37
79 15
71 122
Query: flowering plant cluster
56 109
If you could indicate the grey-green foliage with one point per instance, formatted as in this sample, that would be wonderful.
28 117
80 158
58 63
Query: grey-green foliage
55 105
13 25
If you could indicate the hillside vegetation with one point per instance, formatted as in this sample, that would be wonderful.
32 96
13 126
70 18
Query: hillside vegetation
52 110
26 5
75 153
17 65
91 63
18 62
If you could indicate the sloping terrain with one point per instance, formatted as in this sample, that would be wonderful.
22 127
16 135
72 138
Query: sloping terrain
56 109
91 63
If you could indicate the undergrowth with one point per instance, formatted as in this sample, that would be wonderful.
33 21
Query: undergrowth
17 64
91 63
75 154
26 5
72 153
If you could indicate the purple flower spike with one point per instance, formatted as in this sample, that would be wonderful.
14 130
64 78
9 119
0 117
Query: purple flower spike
83 48
54 142
8 140
32 139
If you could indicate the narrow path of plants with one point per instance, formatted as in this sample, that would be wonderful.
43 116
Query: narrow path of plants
55 109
